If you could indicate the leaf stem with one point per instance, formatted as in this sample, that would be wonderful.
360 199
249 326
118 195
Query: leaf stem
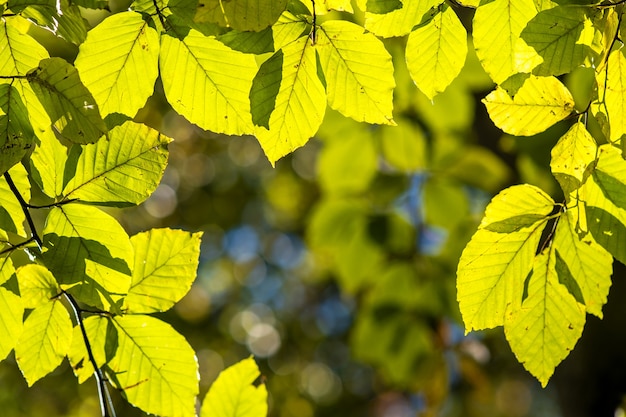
15 247
24 205
106 405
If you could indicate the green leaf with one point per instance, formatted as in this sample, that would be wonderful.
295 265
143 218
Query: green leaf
45 341
12 216
123 170
154 366
571 156
60 17
558 36
587 262
118 63
610 175
71 107
538 104
300 103
549 323
399 22
249 42
383 6
235 394
496 32
611 103
11 316
47 164
445 202
19 52
346 5
89 253
166 262
404 146
265 88
16 133
290 26
7 271
493 266
37 285
102 336
241 14
207 82
436 51
358 72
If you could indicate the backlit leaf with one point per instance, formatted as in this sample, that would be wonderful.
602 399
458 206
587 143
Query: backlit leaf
571 156
59 16
102 337
358 72
48 164
611 79
37 285
610 175
538 104
16 132
12 216
399 22
11 310
241 14
235 394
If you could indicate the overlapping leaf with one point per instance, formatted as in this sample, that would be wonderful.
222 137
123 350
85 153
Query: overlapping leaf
44 342
400 21
12 216
241 14
166 262
548 324
207 82
123 170
16 133
118 63
48 164
37 285
89 253
102 337
436 51
11 309
358 72
611 79
538 104
234 393
499 257
571 156
60 17
69 104
299 105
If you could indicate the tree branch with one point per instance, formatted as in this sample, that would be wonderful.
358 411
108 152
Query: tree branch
24 205
106 405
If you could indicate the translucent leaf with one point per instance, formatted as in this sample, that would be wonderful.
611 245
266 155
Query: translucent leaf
611 80
37 285
12 216
207 82
289 28
154 366
235 394
16 133
48 164
556 36
382 6
538 104
118 63
610 175
587 262
399 22
346 5
300 103
11 316
102 336
497 27
549 323
69 104
499 257
241 14
404 146
58 16
436 51
19 52
358 72
89 253
571 156
166 262
44 342
7 271
123 170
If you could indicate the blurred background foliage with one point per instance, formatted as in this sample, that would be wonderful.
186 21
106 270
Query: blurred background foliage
336 269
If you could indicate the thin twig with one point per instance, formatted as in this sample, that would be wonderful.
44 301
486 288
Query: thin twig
106 405
51 205
15 247
24 205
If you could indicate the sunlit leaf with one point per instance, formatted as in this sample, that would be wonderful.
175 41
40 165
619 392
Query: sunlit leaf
118 63
235 394
207 82
499 257
16 132
358 72
59 16
166 262
89 253
610 175
37 285
69 104
154 366
123 170
571 156
48 164
383 6
289 27
399 22
346 5
11 310
611 79
241 14
549 323
44 342
436 51
12 216
538 104
102 337
19 52
300 103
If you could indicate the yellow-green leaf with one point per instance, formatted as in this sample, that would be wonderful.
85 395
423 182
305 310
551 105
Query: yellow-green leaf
499 257
289 28
207 82
400 21
16 133
497 27
436 51
358 72
571 156
549 323
166 262
12 216
102 336
19 52
300 103
44 342
610 175
538 104
118 63
611 79
37 285
241 14
48 164
234 393
11 311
